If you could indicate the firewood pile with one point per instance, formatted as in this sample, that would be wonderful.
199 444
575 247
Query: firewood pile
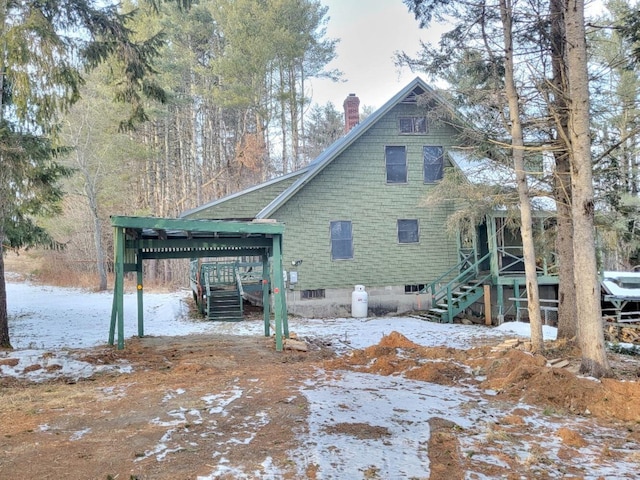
623 334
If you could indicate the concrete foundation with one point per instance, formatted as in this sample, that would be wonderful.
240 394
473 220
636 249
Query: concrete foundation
337 302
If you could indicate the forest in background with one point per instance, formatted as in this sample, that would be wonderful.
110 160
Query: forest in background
237 111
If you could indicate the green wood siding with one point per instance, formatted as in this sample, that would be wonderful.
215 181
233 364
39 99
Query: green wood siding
246 205
353 187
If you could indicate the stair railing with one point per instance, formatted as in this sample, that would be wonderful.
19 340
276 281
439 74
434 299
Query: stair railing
240 289
207 289
239 281
467 271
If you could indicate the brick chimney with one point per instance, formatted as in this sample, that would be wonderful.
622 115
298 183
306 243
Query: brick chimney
351 112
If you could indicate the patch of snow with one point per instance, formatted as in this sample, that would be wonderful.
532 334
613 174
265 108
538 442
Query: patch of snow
523 329
47 323
217 403
79 434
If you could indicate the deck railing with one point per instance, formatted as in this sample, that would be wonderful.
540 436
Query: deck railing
511 260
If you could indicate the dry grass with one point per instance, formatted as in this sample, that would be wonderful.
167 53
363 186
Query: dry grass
56 269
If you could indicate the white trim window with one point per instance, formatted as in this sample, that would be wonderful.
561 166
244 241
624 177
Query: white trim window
396 163
341 240
408 231
433 157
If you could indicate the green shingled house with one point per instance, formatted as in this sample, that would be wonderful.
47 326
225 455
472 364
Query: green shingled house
354 216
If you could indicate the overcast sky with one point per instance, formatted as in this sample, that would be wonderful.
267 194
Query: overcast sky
370 31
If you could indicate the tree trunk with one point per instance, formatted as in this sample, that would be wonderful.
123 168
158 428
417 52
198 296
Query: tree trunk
517 143
567 308
97 239
100 254
590 331
283 120
295 122
4 314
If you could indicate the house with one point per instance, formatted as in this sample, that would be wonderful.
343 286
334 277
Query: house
354 216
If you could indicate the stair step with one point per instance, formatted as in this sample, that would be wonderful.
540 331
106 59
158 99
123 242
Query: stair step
225 306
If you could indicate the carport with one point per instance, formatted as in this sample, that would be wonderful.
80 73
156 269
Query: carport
142 238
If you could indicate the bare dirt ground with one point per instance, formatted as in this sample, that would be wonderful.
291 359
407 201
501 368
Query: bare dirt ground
100 428
214 394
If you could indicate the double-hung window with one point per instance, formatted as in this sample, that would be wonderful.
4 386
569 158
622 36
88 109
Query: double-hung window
396 164
341 240
408 231
433 158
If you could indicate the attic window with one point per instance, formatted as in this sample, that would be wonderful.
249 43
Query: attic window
412 125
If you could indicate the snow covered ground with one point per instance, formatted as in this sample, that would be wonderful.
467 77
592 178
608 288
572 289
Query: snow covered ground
47 323
43 319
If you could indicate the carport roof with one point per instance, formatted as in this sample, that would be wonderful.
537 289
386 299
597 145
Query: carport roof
154 227
152 237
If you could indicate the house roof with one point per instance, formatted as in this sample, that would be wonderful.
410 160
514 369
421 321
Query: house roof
268 183
476 170
407 95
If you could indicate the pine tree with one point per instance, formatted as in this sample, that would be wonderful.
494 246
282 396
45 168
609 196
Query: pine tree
45 45
28 189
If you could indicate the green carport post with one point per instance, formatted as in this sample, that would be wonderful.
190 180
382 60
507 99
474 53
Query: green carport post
266 299
117 312
278 291
139 289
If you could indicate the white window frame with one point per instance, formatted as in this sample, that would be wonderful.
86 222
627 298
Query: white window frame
417 231
334 252
387 149
431 164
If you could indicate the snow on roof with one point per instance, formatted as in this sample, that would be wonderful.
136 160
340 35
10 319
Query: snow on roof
484 171
623 285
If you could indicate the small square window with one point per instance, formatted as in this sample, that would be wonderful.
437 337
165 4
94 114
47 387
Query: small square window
412 125
341 240
433 163
408 231
396 164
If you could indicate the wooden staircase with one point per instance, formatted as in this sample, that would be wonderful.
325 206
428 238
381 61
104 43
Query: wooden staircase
224 300
225 305
452 297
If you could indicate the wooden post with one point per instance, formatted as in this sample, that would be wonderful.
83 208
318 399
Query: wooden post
117 313
139 291
516 295
266 299
487 304
278 289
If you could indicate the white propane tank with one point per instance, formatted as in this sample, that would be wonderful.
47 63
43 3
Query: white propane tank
359 302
